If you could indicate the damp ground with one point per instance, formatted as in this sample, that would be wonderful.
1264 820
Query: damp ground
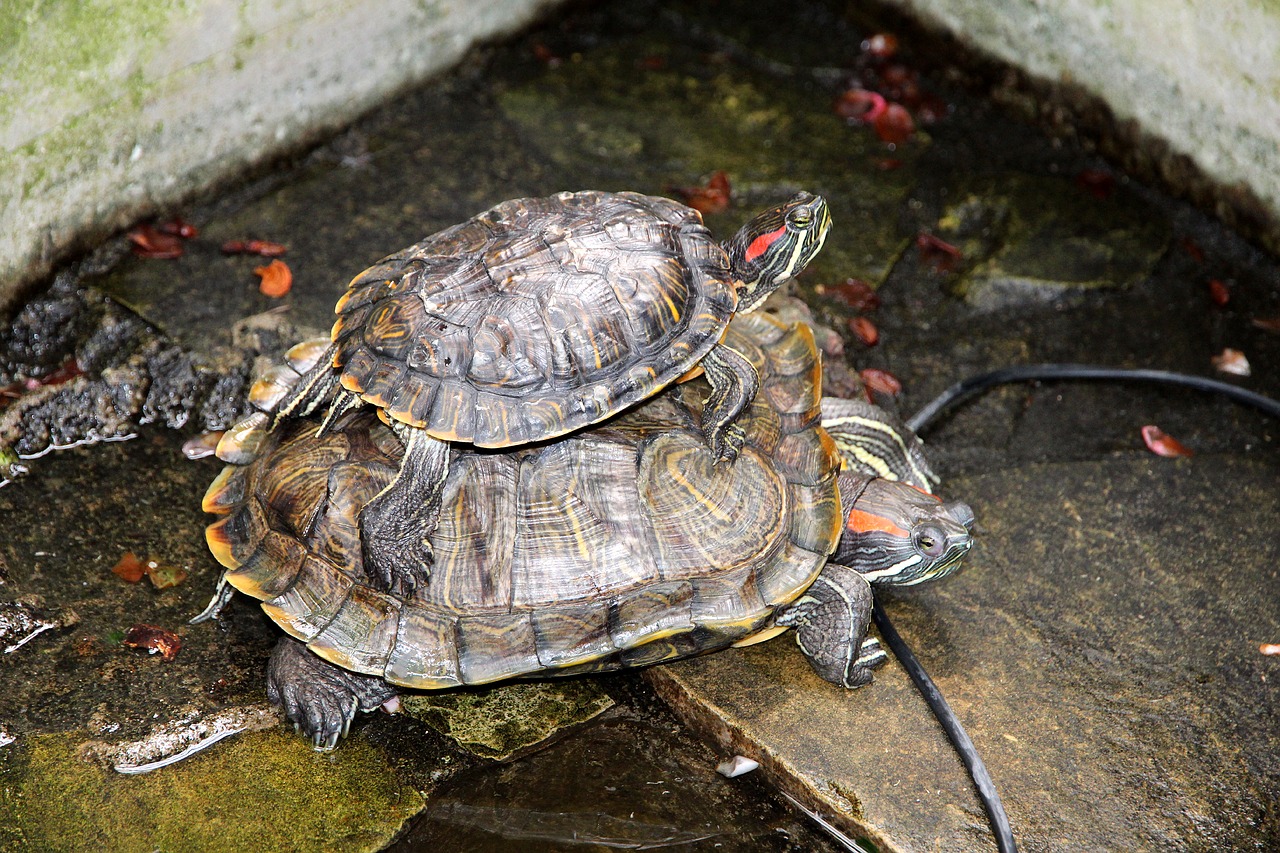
1103 644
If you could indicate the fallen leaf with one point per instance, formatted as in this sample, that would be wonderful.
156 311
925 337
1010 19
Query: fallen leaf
154 639
1192 248
1270 648
880 45
711 198
938 253
881 381
1162 444
860 105
1267 324
148 242
1218 292
895 125
130 569
1231 361
546 56
277 278
264 248
165 575
854 292
865 330
178 227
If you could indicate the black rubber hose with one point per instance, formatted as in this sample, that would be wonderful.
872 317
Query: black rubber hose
955 731
966 388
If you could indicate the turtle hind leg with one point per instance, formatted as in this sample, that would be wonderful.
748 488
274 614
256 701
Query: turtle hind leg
396 524
831 621
734 383
319 698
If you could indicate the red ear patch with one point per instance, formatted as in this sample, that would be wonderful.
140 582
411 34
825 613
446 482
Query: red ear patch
865 522
761 244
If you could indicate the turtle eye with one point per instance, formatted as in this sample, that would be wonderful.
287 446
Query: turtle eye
800 217
931 541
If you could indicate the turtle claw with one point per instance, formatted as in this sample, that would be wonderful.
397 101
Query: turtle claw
320 699
399 566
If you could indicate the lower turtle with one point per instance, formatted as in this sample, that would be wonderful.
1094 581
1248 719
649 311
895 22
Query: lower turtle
623 546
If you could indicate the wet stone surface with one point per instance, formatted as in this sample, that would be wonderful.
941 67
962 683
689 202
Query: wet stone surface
1101 645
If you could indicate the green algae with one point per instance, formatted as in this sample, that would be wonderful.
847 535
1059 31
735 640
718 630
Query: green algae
262 791
502 721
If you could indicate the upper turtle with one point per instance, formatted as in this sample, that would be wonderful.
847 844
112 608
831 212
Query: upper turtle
543 315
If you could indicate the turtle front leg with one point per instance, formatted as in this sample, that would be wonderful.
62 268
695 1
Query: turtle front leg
319 698
395 526
831 621
734 383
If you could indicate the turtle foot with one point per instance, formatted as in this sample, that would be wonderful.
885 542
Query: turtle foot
399 565
320 699
726 442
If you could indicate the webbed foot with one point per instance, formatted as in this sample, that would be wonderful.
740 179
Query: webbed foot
734 383
831 620
320 699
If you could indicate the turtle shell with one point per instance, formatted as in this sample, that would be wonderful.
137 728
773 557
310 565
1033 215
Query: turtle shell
621 546
536 317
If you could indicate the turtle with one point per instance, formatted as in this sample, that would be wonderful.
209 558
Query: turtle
535 318
620 546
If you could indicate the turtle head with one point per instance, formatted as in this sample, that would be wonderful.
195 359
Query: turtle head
775 246
896 533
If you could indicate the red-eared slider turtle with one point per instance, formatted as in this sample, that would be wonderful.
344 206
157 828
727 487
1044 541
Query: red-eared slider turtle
622 546
535 318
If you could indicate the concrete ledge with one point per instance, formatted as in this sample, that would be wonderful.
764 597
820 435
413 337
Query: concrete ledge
1173 91
110 111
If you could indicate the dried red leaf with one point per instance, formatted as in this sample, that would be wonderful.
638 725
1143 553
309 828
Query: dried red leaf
938 253
277 278
865 330
1231 361
860 105
881 381
895 125
1192 248
1097 182
930 109
1267 324
178 227
264 248
1270 648
711 198
888 164
854 292
154 639
880 45
165 575
151 243
1163 444
653 62
130 569
1219 292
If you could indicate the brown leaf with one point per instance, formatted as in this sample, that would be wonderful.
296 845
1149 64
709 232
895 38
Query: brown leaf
130 569
1231 361
712 198
854 292
165 575
895 125
1270 648
860 105
1267 324
1162 444
264 248
277 278
148 242
1218 292
865 330
1192 248
938 253
881 381
178 227
154 639
1098 183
